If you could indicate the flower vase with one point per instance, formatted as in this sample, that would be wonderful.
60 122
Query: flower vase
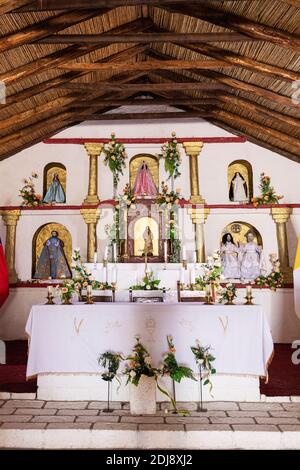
66 301
143 396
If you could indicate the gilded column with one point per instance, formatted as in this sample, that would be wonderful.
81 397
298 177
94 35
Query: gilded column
281 215
10 219
91 217
193 150
199 216
93 151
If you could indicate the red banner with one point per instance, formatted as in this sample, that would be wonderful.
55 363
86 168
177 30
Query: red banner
4 286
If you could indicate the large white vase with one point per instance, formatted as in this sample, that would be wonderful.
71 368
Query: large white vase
143 397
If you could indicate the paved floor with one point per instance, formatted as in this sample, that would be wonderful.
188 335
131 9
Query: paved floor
224 425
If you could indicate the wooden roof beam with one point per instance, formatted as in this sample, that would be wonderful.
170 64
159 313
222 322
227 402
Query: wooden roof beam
7 6
46 27
61 57
144 87
237 23
155 37
139 116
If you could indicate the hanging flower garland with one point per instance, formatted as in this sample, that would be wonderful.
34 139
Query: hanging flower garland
115 158
171 154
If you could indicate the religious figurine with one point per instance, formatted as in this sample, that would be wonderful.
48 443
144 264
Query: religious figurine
55 191
144 183
238 189
53 262
230 258
148 246
251 259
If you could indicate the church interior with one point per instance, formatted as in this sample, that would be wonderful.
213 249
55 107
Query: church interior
149 214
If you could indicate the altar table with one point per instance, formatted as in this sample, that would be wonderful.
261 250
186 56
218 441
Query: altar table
65 342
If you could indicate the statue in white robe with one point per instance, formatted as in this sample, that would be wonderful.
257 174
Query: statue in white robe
251 259
230 258
238 189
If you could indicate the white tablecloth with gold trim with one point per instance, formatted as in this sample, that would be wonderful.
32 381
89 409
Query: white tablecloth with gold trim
69 339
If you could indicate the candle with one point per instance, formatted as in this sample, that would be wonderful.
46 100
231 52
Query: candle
249 291
106 253
114 252
194 257
182 272
166 251
105 277
89 289
184 253
95 257
50 290
193 276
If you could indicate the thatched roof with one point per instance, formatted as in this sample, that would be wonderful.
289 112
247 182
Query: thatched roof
238 63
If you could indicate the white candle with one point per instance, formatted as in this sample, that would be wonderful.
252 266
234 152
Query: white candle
89 289
193 276
249 290
106 253
194 257
50 290
114 252
208 290
95 257
184 253
166 251
182 272
105 277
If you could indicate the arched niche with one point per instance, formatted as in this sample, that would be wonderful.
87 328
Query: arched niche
239 231
49 171
40 237
152 163
138 231
245 169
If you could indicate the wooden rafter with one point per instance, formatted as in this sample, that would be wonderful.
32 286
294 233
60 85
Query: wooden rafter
61 57
66 4
46 27
138 116
184 38
143 87
238 23
9 5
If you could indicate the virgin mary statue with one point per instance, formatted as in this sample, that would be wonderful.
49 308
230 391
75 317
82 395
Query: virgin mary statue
144 184
55 191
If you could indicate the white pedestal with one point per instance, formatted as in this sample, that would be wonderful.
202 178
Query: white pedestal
143 397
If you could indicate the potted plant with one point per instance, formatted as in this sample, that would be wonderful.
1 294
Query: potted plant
66 291
228 294
141 376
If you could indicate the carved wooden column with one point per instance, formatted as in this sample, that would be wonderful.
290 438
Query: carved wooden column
199 216
93 151
193 150
91 217
10 219
281 215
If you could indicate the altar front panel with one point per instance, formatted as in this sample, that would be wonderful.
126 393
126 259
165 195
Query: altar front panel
69 339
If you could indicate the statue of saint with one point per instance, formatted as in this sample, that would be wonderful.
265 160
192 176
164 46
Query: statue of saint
230 258
53 262
238 189
251 259
55 191
144 183
148 245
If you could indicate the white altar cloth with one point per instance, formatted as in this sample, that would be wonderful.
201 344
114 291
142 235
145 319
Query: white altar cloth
69 339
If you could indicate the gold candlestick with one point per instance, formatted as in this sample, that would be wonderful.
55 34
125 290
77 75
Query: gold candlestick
184 263
89 296
230 298
49 299
249 299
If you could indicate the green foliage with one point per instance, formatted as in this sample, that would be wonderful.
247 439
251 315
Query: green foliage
204 359
110 362
140 363
171 154
268 194
149 283
115 158
171 366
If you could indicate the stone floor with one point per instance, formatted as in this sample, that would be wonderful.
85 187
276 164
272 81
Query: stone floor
40 424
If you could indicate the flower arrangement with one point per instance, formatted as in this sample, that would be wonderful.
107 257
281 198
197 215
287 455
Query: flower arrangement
28 194
171 368
115 158
149 283
113 230
111 363
171 154
166 197
66 291
83 277
211 272
140 363
274 279
228 293
268 195
173 235
204 360
128 197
